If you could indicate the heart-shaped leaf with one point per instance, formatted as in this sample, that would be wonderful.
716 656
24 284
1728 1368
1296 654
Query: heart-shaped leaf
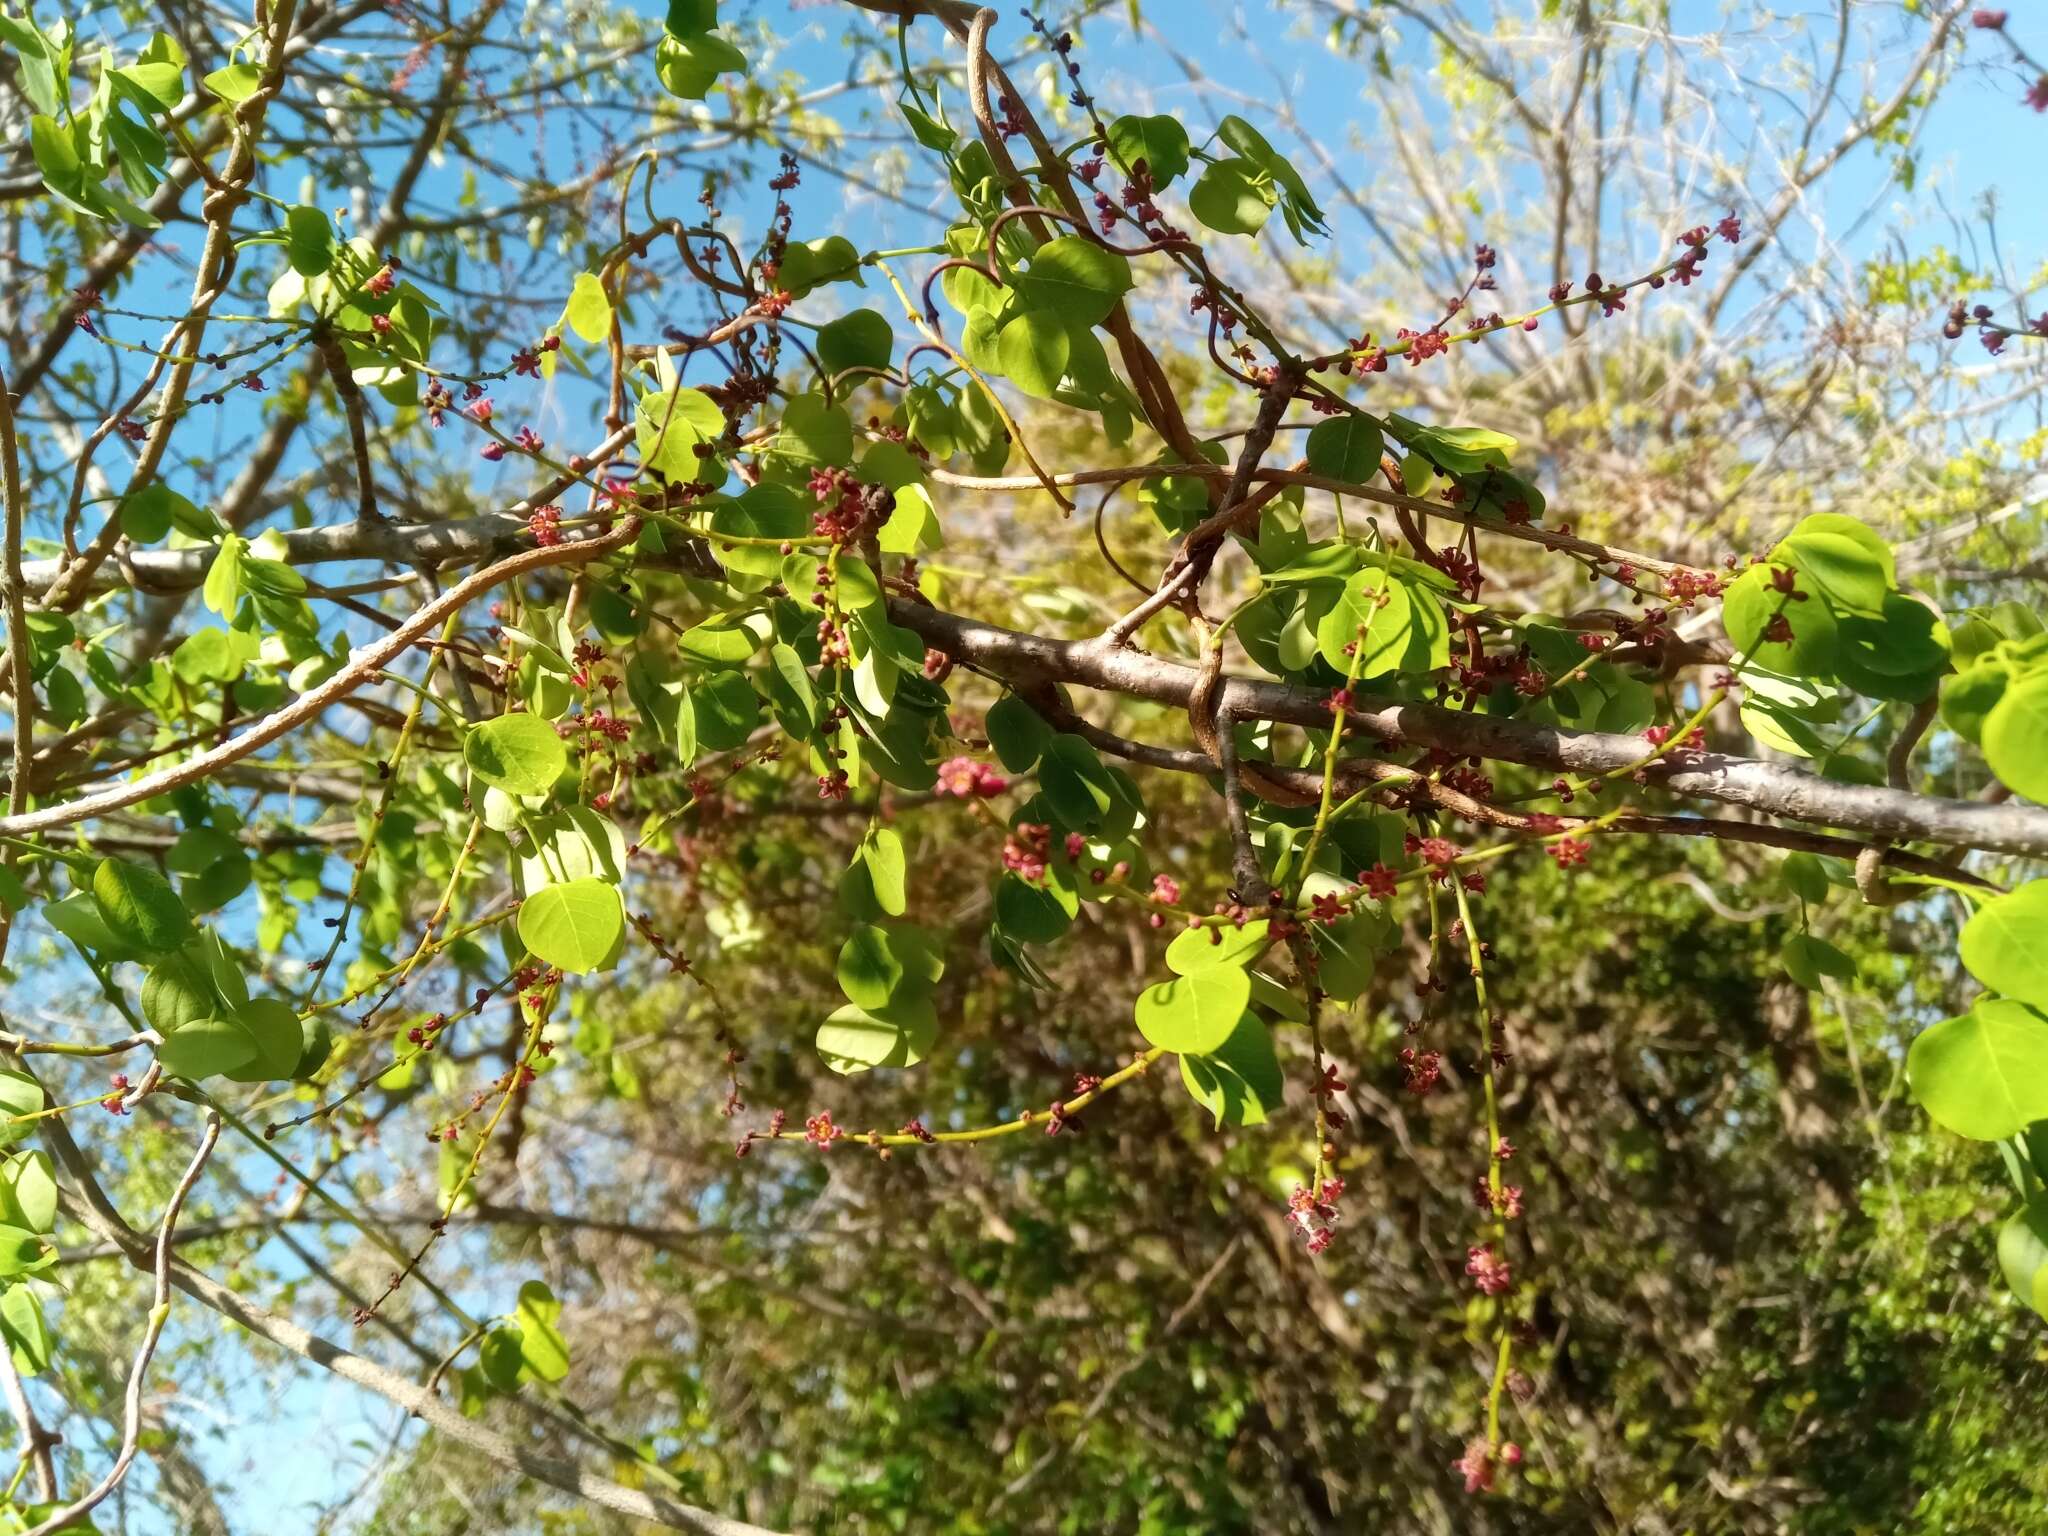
1194 1014
520 754
574 926
1985 1074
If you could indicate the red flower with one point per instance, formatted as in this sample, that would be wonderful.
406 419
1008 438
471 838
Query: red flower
1380 882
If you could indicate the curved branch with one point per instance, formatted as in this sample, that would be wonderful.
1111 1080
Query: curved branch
364 664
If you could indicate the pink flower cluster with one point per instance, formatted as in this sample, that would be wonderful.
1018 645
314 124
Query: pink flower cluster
966 779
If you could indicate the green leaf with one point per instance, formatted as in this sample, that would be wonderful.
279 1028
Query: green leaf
28 1192
176 991
1032 352
139 907
1240 1081
1233 198
1985 1074
158 73
687 18
2023 1253
206 1048
933 132
28 1338
78 918
1898 656
1252 145
223 589
1346 447
1750 605
280 1041
589 314
520 754
899 1034
1457 450
1076 782
1197 949
574 926
543 1352
56 156
808 263
882 852
23 1252
1808 959
235 83
20 1096
814 432
723 641
148 515
913 526
869 968
1034 913
765 511
1969 698
1018 733
669 426
1161 142
39 63
2005 944
500 1357
309 241
1377 601
1194 1014
1805 877
1346 953
2016 737
1847 561
858 340
1075 279
726 709
688 67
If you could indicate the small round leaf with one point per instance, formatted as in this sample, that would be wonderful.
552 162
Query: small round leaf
574 926
520 754
1194 1014
139 906
1985 1074
2005 944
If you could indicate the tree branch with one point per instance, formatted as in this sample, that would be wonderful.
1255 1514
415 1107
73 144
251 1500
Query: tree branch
1033 661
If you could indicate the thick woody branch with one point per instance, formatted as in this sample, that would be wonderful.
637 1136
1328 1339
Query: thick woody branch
1398 784
1033 662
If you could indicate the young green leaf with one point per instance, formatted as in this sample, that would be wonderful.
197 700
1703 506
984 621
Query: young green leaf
2016 737
1161 142
1233 197
520 754
1194 1014
139 907
1240 1081
858 340
1985 1074
543 1352
575 926
589 310
2005 944
1346 447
